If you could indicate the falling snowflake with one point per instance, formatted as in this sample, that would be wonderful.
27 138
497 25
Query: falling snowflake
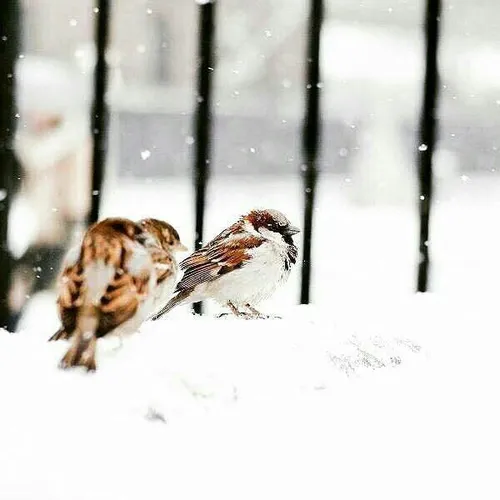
145 154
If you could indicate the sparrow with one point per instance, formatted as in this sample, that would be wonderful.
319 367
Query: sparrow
241 266
121 273
162 242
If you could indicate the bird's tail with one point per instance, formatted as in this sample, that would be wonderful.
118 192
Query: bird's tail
180 298
83 341
98 276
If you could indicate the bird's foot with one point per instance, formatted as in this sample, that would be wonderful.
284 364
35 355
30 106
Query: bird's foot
237 312
241 314
250 313
258 315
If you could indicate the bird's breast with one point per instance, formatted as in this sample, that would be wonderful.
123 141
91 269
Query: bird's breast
255 281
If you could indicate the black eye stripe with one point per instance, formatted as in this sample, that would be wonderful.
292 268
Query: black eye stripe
276 227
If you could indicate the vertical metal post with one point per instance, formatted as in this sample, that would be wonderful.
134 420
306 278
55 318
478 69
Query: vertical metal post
310 140
100 116
10 35
428 137
202 120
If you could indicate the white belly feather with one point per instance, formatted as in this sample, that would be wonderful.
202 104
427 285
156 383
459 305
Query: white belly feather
255 281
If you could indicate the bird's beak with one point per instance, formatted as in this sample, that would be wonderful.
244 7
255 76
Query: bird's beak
291 230
181 248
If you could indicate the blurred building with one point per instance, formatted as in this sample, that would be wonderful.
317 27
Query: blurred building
372 66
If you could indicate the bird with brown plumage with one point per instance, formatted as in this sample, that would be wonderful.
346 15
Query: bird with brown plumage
122 272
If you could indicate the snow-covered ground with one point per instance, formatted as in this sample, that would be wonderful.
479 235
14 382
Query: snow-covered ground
372 392
382 400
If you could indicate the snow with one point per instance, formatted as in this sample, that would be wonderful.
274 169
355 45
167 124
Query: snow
396 402
145 154
372 392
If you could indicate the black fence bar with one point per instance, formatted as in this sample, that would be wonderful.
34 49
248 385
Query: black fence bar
428 137
311 139
202 119
10 35
100 115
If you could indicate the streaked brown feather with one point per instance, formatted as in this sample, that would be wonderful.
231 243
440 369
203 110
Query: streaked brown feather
219 257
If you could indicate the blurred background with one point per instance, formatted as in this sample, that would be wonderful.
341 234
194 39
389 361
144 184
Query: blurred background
372 62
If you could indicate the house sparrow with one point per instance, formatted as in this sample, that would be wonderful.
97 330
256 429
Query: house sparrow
241 266
162 241
120 273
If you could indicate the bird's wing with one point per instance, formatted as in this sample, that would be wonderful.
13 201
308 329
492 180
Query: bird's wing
128 285
121 301
70 298
219 257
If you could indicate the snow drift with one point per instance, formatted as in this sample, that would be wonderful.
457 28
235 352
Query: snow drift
345 403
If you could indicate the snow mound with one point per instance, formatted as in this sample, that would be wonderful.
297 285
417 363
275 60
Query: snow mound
350 403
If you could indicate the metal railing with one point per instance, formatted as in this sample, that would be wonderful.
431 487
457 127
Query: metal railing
428 137
10 36
311 132
99 114
203 120
311 135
